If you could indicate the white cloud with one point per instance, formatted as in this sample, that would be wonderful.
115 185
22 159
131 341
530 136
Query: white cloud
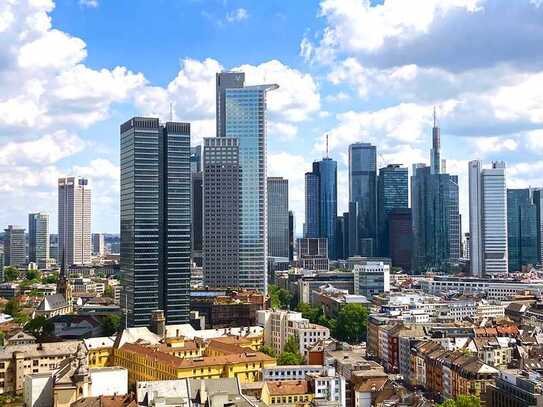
89 3
237 15
487 145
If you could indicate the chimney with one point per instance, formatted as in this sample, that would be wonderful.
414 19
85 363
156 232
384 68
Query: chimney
158 323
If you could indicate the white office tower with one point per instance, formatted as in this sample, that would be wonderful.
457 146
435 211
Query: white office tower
487 219
74 221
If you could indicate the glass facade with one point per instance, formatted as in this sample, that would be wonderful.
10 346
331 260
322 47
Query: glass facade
245 119
312 205
155 220
521 229
392 193
363 187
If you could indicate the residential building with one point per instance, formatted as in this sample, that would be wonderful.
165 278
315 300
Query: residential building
279 325
38 239
155 219
363 191
371 277
287 393
521 230
313 254
321 203
488 219
99 350
278 217
400 238
17 361
241 114
516 388
98 245
14 246
222 222
392 194
295 372
74 221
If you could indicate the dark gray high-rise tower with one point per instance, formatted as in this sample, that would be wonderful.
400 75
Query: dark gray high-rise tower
278 218
363 190
222 188
38 239
435 152
155 220
14 246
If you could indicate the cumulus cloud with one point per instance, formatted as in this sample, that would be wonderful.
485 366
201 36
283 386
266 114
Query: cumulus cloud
237 15
89 3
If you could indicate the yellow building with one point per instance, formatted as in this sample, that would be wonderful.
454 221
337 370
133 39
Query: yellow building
287 393
146 363
99 351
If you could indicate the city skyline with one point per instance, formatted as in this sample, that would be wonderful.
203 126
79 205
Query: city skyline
376 93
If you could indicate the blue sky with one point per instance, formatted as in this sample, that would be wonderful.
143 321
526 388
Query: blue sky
72 71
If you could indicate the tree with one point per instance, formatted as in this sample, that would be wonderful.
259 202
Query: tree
32 275
292 345
279 297
39 327
351 323
13 307
462 401
108 292
268 350
50 279
11 273
291 353
111 324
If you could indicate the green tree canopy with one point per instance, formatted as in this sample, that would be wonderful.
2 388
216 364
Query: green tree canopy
50 279
291 353
111 324
33 275
268 350
279 297
39 327
108 292
12 307
11 273
351 323
462 401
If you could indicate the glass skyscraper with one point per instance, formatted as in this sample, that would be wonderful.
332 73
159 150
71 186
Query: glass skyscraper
521 229
241 114
392 193
155 220
278 217
38 239
321 203
363 188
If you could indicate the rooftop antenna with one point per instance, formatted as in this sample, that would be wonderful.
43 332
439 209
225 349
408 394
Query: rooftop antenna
171 112
327 146
435 120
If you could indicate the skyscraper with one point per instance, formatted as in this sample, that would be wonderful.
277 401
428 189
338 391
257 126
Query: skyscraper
363 189
392 193
278 218
14 246
221 197
241 114
455 224
291 235
521 229
38 239
197 217
321 203
196 159
488 219
340 233
400 242
98 244
74 221
155 220
435 152
538 202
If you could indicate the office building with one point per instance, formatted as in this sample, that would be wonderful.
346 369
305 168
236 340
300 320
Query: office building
400 242
221 227
321 203
98 244
431 215
312 254
291 235
538 202
74 221
278 217
340 234
521 229
371 278
392 193
351 241
435 153
197 217
38 239
196 159
14 246
455 223
488 219
241 114
155 220
363 190
53 248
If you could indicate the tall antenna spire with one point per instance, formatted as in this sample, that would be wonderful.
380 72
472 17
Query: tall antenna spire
435 116
327 146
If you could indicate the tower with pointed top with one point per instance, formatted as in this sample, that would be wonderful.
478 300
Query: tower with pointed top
63 284
435 152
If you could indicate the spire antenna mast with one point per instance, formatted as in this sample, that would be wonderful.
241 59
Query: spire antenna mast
327 146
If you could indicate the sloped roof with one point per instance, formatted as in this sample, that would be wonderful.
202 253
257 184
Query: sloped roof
287 387
52 302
